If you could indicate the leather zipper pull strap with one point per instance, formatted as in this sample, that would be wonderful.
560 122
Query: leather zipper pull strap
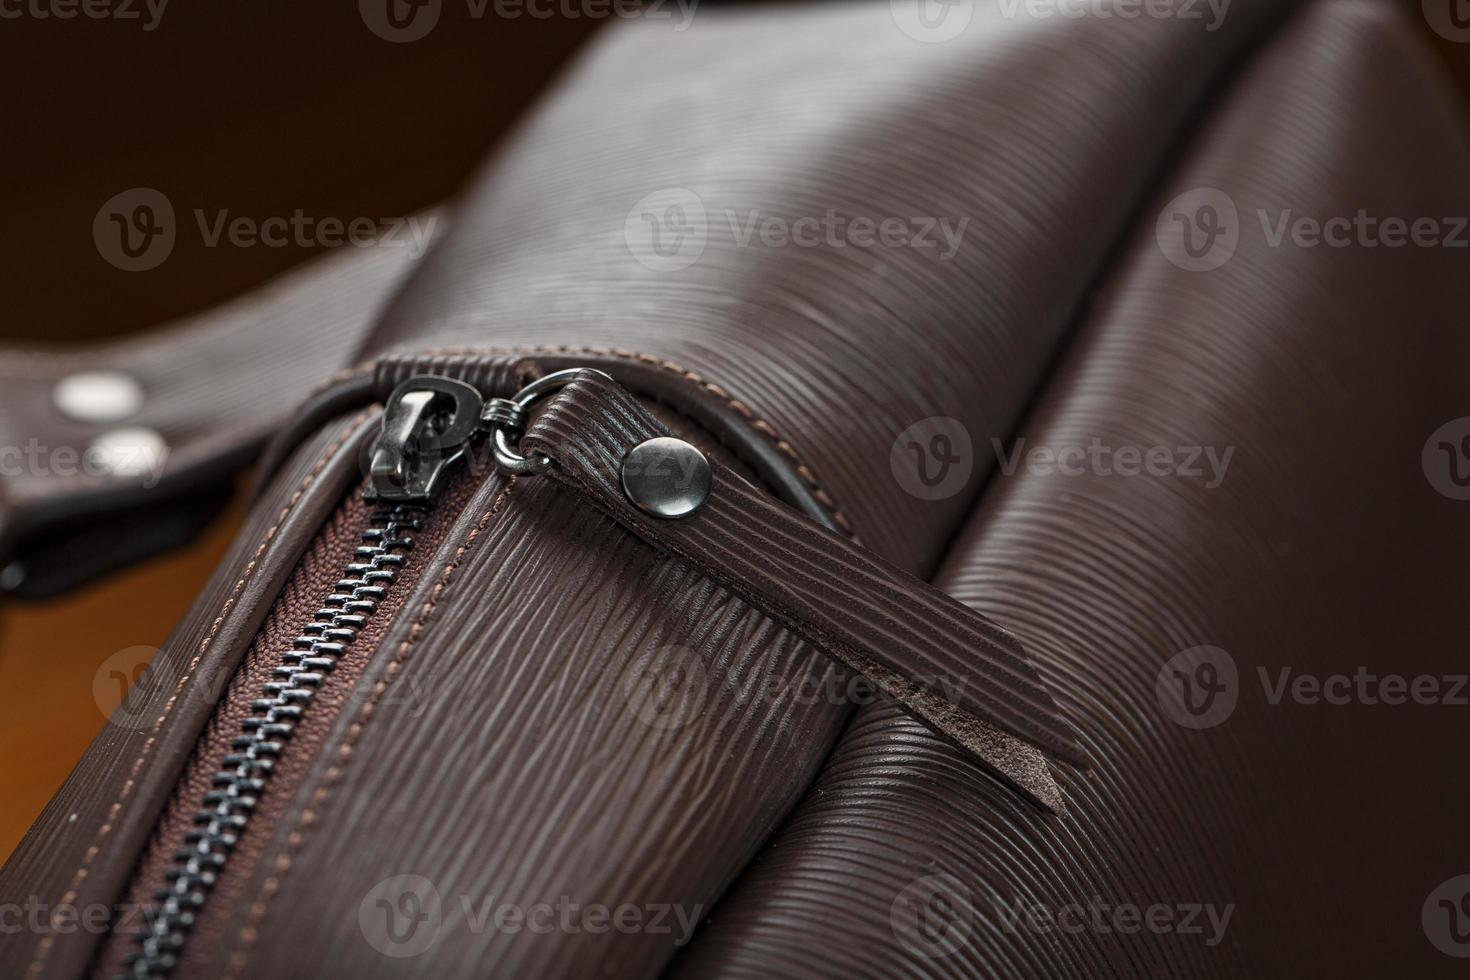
948 665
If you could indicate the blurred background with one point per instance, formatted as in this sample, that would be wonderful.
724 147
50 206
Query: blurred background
258 109
255 108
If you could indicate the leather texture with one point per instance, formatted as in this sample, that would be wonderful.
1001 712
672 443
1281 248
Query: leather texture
318 574
802 346
964 675
1323 551
506 754
798 346
1044 134
82 849
524 669
214 388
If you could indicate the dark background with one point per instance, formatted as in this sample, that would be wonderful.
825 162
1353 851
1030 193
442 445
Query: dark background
260 108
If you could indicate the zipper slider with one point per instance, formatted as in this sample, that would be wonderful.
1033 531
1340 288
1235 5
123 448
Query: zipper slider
428 425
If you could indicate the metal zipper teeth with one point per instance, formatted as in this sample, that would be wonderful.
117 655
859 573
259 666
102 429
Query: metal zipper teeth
227 808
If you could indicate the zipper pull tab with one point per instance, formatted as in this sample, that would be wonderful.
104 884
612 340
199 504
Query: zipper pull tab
428 424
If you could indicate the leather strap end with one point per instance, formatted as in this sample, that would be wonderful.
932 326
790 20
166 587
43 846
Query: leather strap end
1019 763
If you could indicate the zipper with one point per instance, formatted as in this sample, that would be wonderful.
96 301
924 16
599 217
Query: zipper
429 425
946 664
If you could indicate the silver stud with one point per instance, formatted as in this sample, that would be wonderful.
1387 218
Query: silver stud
98 396
128 452
666 477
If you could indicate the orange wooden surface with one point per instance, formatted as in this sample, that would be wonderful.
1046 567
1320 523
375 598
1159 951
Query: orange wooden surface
58 662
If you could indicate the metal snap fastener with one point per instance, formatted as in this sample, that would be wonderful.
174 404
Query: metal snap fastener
666 477
98 396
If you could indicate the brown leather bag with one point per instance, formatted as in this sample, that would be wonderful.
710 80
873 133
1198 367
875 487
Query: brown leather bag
903 505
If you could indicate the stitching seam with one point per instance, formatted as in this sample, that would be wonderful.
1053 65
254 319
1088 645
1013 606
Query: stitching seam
43 948
734 404
282 863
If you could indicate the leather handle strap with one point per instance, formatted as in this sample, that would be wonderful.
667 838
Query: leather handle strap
948 665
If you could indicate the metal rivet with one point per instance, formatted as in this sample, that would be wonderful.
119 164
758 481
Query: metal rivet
98 396
666 477
12 577
128 452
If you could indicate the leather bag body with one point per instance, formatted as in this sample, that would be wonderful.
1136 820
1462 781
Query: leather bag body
486 758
